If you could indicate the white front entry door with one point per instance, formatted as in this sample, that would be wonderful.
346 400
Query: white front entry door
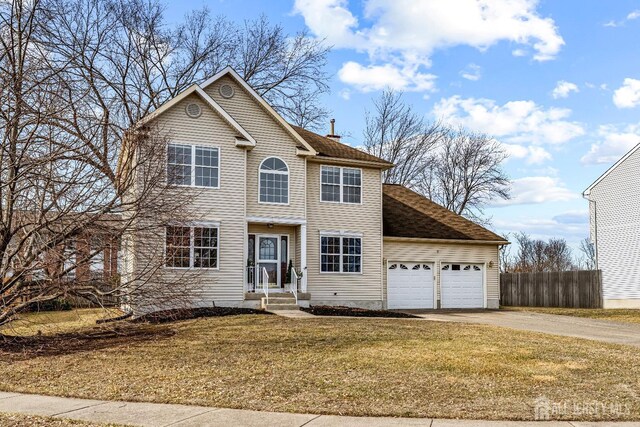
268 258
461 286
410 285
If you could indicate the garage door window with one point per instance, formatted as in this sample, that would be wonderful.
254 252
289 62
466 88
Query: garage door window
340 254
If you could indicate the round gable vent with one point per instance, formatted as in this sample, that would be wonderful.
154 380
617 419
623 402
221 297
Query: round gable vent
226 91
194 110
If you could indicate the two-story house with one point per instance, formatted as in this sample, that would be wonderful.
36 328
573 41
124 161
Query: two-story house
275 196
614 211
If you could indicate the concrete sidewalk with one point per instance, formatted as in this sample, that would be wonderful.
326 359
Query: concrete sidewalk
157 414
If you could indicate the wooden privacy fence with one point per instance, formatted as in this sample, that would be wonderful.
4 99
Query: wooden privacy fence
572 289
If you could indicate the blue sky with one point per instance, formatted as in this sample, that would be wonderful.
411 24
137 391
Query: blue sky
557 82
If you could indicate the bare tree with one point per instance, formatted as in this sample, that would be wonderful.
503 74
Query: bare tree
535 255
129 53
459 169
398 134
588 258
59 172
467 173
558 256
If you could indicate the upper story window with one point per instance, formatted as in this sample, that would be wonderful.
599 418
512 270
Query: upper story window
193 165
274 181
342 185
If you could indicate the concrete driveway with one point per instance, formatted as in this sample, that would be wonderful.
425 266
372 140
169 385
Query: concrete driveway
592 329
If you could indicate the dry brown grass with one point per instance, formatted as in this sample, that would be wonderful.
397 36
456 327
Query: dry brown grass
339 366
55 322
19 420
613 314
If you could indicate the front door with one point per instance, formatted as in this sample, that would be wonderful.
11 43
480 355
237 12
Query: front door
268 251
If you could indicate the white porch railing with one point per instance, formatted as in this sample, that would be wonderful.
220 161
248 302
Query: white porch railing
265 283
256 281
293 285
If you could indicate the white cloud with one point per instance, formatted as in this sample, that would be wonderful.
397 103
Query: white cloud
546 228
515 122
627 95
621 23
472 72
633 15
533 155
345 94
573 217
563 89
376 77
615 142
407 32
536 190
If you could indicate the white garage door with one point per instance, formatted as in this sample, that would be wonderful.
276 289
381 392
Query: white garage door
409 285
461 286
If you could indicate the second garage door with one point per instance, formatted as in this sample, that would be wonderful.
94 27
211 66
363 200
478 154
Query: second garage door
410 285
461 286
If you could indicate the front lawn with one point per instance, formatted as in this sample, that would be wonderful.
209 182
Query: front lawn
54 322
393 367
613 314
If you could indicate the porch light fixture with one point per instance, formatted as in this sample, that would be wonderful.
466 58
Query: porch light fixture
270 225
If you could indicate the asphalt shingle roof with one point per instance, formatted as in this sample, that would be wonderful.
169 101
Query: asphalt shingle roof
409 214
327 147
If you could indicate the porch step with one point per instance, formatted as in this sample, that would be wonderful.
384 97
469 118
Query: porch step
279 302
279 307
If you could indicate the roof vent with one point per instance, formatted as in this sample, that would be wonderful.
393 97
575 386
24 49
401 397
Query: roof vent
193 110
226 90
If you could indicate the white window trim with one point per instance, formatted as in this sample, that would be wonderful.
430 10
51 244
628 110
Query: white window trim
342 185
191 226
193 164
342 235
288 173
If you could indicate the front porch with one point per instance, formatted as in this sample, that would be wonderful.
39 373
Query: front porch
276 260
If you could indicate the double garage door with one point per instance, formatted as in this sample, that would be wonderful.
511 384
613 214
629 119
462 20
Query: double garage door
411 285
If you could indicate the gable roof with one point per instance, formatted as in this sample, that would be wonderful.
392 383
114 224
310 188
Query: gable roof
327 147
264 104
611 169
195 89
411 215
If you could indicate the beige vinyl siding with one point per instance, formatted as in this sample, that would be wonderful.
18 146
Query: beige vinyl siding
271 140
447 253
224 205
615 218
365 218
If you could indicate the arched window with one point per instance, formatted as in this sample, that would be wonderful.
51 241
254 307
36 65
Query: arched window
274 181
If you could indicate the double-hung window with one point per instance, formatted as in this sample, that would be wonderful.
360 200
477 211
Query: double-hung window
338 184
340 254
193 165
188 247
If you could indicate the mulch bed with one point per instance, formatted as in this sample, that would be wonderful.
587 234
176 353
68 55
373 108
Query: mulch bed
19 347
166 316
327 310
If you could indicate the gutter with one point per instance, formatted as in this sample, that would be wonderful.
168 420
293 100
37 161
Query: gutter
458 241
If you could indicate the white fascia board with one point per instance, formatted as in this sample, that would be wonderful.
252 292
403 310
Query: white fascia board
262 102
586 192
225 115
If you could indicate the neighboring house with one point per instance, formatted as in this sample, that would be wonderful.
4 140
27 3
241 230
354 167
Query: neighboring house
614 211
276 195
